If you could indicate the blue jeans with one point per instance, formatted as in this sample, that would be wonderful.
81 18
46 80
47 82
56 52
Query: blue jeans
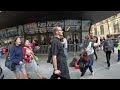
118 54
19 68
65 52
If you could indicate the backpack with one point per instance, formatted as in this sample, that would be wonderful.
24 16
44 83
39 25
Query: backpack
8 63
108 45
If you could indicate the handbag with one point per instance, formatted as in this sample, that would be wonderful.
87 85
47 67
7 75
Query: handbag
35 58
86 56
9 64
81 62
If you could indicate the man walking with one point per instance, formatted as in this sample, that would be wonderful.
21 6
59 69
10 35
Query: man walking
58 57
108 48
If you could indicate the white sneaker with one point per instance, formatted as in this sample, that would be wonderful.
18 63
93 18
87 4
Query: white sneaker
81 78
92 73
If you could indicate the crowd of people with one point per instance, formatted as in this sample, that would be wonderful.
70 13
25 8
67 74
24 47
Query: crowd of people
22 54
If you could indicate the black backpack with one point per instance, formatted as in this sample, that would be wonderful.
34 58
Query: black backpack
108 45
1 73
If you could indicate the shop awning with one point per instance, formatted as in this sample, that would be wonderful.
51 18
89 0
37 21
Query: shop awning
15 18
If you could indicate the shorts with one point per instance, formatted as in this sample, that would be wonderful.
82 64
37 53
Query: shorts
31 67
18 68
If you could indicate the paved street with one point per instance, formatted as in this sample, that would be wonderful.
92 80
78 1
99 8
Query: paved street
99 67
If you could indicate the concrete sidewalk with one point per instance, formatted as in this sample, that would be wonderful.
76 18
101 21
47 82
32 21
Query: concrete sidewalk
46 69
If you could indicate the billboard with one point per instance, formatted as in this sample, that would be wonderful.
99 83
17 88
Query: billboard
3 33
30 28
12 31
72 25
20 30
51 24
42 27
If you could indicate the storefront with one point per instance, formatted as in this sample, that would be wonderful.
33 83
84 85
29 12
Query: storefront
41 32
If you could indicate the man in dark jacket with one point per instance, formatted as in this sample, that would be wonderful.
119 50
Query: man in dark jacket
108 48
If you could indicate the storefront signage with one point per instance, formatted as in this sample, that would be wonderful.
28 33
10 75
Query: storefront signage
42 27
51 24
12 31
31 28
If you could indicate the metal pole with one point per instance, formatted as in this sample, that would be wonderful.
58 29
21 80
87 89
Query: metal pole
75 44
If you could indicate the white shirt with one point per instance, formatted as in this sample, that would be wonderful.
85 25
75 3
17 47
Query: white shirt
65 43
90 49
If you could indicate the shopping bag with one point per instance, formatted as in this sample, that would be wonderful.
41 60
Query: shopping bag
36 58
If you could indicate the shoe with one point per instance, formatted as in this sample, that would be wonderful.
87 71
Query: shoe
118 60
81 78
44 78
108 68
29 78
92 73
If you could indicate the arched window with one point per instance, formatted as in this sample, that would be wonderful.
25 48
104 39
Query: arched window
102 29
95 31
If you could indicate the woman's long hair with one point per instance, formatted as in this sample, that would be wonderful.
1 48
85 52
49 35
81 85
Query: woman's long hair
16 39
22 40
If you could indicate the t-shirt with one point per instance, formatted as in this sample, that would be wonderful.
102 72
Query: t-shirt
65 43
89 44
57 49
27 54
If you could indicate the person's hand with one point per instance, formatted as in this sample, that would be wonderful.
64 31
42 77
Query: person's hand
112 51
20 62
57 72
25 57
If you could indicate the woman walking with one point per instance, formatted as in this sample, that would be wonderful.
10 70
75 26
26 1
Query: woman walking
30 63
15 54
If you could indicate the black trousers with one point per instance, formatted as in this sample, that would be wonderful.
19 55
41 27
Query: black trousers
83 70
95 53
55 76
108 56
49 56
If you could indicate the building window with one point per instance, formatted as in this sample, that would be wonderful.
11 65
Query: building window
95 31
102 29
116 27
